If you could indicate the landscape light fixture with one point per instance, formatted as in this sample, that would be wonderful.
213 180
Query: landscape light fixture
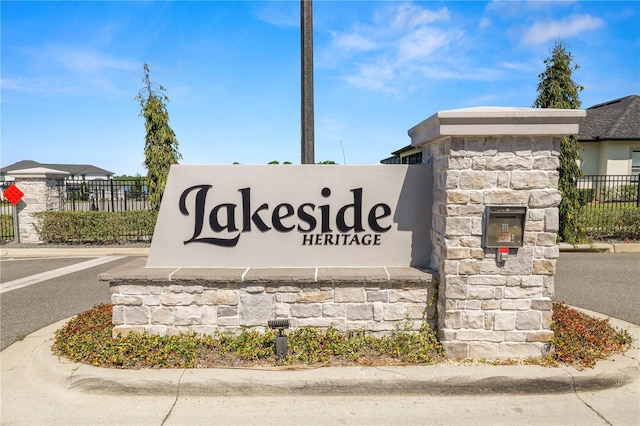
281 339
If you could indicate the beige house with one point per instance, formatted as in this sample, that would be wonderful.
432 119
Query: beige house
407 155
610 138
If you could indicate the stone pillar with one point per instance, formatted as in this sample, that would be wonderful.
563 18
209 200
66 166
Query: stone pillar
489 157
41 193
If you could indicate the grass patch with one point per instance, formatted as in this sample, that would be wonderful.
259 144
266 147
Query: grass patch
87 338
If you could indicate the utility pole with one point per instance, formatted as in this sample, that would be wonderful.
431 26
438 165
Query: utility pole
306 45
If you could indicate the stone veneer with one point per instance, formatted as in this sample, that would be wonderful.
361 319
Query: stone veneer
169 301
486 308
41 188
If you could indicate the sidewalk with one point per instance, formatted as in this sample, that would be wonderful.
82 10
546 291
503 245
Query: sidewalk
37 387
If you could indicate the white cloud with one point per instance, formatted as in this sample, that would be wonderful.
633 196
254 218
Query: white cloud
484 23
525 67
422 43
353 42
84 60
278 13
57 68
542 32
373 76
390 50
410 16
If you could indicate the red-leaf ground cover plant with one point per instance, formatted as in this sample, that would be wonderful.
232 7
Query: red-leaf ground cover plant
580 340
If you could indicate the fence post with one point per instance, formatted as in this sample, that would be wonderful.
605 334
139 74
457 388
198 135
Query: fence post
113 206
16 227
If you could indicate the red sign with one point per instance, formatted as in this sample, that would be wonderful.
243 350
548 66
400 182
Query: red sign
13 194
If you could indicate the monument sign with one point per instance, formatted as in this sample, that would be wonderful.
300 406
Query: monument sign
294 216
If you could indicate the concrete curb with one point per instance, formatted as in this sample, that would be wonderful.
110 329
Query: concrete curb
358 381
601 247
439 380
74 251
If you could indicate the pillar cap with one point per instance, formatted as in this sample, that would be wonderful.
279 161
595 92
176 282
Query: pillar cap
38 173
497 121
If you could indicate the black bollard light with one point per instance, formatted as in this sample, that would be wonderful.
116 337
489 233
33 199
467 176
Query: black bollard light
281 339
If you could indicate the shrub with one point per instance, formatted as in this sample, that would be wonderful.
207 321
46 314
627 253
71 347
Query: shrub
6 225
581 340
619 193
88 338
619 224
96 226
585 196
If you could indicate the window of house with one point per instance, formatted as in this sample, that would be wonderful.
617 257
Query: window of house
635 162
413 158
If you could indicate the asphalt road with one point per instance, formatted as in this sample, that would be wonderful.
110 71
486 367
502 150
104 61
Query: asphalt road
608 283
27 309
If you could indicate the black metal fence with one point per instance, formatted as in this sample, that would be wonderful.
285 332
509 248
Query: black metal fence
104 195
6 216
610 192
6 222
610 207
98 195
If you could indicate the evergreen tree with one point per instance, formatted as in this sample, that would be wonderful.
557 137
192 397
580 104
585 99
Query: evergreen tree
161 144
557 90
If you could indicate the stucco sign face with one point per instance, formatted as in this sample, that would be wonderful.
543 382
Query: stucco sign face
292 216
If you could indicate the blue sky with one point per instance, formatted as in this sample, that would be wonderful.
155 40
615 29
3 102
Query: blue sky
71 70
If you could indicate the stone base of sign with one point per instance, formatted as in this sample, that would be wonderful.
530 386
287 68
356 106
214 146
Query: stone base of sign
170 301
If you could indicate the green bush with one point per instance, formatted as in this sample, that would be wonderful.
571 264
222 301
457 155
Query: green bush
586 195
619 193
88 338
96 227
622 224
6 226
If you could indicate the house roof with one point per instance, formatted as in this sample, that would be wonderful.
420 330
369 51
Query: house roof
403 150
618 119
74 169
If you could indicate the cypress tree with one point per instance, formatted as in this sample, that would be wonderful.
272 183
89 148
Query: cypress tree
558 90
161 144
